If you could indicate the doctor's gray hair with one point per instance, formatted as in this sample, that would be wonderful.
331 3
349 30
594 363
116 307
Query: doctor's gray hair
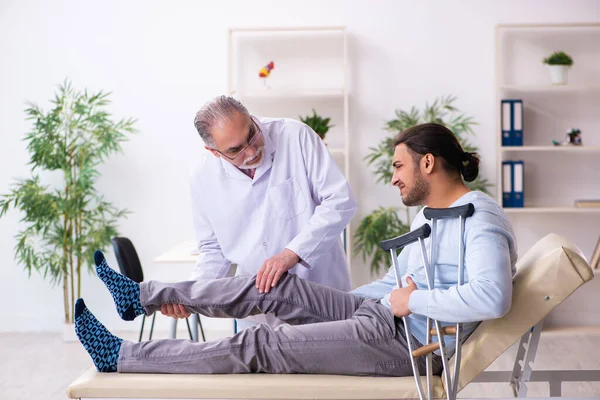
214 112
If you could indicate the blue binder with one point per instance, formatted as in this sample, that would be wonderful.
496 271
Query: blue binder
506 118
507 184
517 123
518 173
511 115
513 184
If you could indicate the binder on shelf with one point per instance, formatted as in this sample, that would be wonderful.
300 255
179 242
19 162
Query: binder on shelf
507 180
506 122
517 127
512 122
513 184
518 175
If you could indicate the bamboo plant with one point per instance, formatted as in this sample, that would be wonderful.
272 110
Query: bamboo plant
385 223
66 221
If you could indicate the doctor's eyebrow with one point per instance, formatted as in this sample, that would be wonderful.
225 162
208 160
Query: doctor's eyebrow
250 135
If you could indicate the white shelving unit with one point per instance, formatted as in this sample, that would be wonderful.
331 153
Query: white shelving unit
555 176
549 109
311 71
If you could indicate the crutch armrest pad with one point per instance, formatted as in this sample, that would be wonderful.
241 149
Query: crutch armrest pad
406 239
453 212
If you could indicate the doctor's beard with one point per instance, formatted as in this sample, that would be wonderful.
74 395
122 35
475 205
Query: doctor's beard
257 159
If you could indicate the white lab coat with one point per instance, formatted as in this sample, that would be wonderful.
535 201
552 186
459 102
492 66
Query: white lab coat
298 199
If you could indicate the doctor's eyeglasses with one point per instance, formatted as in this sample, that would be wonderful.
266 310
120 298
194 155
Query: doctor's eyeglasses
253 134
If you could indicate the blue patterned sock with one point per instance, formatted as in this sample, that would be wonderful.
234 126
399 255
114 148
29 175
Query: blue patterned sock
100 344
125 292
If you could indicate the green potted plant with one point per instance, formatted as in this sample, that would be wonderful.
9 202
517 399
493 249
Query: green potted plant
318 124
559 63
385 223
66 221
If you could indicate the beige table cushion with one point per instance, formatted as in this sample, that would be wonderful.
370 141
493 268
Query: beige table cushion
554 267
247 386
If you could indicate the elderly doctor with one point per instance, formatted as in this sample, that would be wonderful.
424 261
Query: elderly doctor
268 197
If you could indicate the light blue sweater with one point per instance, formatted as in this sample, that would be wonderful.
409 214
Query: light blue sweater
490 257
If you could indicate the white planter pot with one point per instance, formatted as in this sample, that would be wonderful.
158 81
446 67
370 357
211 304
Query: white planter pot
559 74
68 333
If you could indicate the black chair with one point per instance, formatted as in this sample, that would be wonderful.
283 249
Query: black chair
130 266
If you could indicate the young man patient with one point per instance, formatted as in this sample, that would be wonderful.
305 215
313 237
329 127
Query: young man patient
328 331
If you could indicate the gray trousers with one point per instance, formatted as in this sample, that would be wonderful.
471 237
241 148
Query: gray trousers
327 332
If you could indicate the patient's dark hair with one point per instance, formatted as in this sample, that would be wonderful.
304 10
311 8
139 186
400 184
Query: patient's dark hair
441 143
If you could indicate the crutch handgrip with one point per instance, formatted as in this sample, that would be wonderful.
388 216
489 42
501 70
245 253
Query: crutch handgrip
453 212
406 239
446 330
424 350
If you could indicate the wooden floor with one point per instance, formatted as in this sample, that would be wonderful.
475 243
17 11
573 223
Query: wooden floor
41 366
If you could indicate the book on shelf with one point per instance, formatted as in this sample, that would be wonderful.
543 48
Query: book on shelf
587 203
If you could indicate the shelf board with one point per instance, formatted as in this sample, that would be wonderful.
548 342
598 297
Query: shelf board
550 148
551 210
251 29
337 151
551 27
290 93
551 88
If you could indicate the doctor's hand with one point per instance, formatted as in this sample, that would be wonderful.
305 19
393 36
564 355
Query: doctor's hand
273 268
174 310
399 298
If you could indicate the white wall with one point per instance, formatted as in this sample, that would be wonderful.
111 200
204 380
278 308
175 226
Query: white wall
163 60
